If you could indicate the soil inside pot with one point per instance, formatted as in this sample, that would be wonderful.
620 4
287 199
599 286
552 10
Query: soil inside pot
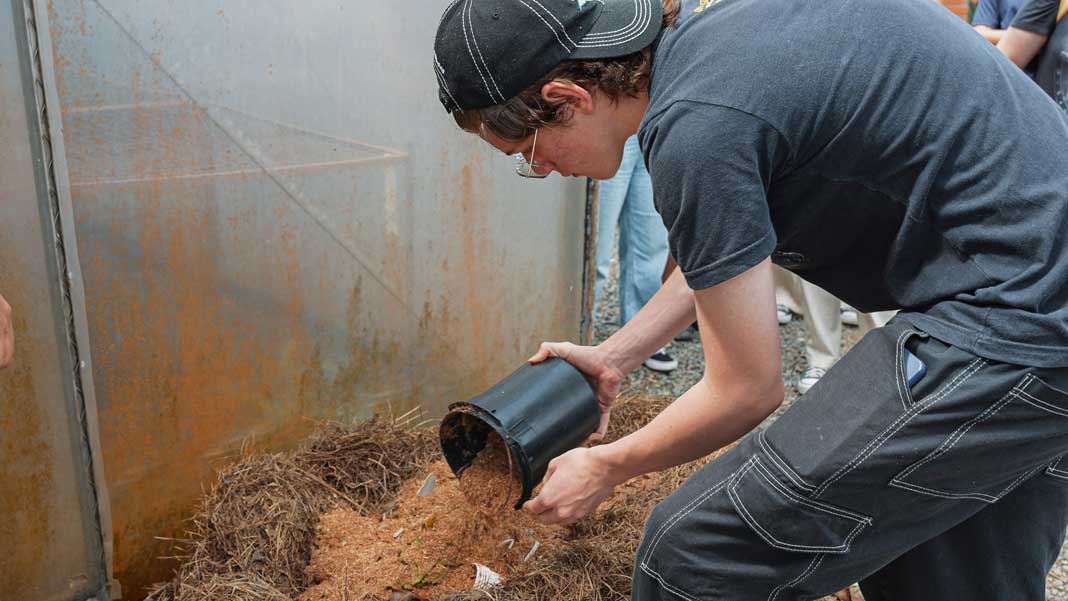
491 482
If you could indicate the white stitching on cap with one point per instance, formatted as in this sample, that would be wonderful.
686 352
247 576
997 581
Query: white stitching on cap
441 80
563 29
481 58
644 13
626 28
467 40
551 28
643 16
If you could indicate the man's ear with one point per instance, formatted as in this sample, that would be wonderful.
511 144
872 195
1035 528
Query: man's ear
562 91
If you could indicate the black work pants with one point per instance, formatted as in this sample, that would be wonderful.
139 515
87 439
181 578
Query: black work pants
952 488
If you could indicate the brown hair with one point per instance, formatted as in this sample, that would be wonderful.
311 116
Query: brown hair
614 77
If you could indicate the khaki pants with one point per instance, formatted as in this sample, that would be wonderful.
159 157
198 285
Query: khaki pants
823 322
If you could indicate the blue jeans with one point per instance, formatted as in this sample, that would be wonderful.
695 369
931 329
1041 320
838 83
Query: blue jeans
627 199
953 488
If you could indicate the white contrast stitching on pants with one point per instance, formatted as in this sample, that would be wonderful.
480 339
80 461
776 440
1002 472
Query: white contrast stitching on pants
782 465
812 566
899 423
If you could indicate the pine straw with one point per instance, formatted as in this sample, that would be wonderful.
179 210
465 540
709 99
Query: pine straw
255 532
597 563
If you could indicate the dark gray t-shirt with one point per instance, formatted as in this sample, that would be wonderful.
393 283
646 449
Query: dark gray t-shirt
879 149
1051 65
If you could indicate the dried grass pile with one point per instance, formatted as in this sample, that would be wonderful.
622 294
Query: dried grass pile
255 534
255 531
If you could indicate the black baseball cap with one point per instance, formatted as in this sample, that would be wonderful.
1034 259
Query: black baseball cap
487 51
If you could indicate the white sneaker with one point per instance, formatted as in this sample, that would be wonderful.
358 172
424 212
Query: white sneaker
849 316
783 314
661 361
809 378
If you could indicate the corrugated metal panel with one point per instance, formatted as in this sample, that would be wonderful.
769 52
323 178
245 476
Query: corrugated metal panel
49 498
277 221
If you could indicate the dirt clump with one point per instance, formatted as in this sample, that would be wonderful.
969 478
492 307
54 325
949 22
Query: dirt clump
491 482
427 544
349 501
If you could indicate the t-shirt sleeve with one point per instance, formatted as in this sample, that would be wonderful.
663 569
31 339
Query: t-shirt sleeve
711 166
986 13
1037 16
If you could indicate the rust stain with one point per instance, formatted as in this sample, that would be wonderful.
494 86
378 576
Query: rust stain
27 496
186 367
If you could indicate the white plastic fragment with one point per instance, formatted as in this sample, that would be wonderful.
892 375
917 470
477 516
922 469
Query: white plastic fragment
485 578
532 551
428 485
398 532
508 542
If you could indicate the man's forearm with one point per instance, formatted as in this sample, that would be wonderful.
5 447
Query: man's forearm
1021 46
700 421
992 35
669 311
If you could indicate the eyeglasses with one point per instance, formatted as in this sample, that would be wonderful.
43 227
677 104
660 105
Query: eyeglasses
532 169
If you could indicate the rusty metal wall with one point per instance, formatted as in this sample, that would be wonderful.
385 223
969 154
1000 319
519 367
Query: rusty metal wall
277 221
52 498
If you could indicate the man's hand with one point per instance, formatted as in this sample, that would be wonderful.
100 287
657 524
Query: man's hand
575 484
594 364
7 334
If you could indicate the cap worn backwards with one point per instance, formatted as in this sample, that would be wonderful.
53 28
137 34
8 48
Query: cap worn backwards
487 51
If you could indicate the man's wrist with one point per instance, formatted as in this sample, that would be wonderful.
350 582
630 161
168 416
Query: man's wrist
612 464
618 354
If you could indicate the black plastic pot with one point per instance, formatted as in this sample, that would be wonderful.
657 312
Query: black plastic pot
541 411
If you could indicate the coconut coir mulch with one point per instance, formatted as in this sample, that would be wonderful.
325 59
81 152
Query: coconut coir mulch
352 490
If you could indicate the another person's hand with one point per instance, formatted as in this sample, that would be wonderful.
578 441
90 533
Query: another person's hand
7 334
575 484
597 368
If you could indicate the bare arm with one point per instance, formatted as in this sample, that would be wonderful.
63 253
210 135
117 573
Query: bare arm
992 35
7 334
1021 46
742 385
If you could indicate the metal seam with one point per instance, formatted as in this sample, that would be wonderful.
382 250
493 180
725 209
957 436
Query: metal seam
44 133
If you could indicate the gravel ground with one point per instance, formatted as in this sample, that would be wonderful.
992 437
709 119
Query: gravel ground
691 364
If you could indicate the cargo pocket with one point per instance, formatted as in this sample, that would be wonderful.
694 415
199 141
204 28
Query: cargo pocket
1011 440
865 393
787 520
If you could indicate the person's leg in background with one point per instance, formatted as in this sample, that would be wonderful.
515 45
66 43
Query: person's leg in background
869 321
609 206
823 328
643 243
787 294
643 248
823 333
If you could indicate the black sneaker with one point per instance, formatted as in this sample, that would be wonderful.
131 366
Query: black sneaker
662 362
689 334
